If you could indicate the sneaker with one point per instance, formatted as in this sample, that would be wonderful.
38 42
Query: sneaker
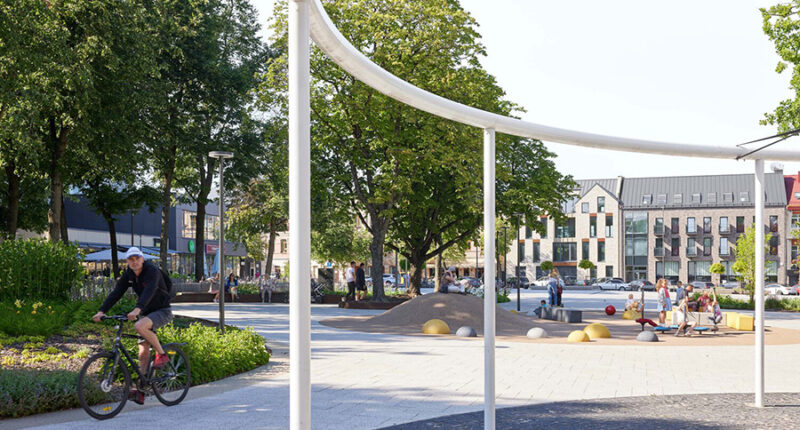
160 361
136 396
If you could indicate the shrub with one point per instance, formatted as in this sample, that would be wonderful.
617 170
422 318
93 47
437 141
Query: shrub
37 269
22 318
503 298
26 392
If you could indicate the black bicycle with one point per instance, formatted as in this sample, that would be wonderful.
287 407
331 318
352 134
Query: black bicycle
105 380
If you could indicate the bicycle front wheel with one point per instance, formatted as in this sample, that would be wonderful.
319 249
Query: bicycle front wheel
103 385
171 382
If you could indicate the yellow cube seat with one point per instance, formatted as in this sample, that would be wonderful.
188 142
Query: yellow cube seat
732 319
744 322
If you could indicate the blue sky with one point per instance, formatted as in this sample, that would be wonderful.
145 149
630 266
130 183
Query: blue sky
680 71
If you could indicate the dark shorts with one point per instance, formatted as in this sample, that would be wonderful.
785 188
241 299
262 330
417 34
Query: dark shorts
160 317
351 285
361 287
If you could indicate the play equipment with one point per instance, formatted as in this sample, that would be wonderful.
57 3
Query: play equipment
435 326
611 310
537 333
466 331
578 336
631 314
647 336
662 329
597 331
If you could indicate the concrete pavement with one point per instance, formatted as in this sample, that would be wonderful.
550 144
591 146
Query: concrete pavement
364 381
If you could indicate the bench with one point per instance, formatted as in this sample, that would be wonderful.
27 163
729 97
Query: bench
563 315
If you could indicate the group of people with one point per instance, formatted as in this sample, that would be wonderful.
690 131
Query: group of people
231 287
555 286
707 302
356 282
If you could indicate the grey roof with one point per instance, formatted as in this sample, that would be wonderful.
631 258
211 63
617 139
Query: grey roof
712 189
610 185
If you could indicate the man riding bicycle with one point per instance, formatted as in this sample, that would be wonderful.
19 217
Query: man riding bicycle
152 308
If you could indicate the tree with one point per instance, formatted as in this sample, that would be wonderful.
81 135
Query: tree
586 265
546 266
717 269
745 265
780 24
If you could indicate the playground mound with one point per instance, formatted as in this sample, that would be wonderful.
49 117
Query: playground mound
459 310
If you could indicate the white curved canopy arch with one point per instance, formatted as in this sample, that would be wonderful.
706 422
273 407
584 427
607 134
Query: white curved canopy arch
333 43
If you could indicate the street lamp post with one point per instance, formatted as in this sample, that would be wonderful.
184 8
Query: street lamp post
221 156
505 255
516 267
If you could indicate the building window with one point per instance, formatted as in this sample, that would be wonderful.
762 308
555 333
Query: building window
707 225
284 246
711 197
676 246
707 244
585 207
727 197
659 250
696 198
677 199
536 252
212 227
723 246
773 245
647 199
189 224
520 251
772 271
659 227
601 204
565 231
601 251
691 226
609 225
565 251
740 224
773 223
593 226
675 226
636 229
543 220
671 270
691 247
743 197
723 224
528 232
795 220
609 271
661 199
585 250
699 271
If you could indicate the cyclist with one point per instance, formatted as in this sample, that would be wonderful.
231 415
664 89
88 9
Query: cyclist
152 308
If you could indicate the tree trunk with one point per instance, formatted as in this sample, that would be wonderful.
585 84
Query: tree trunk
58 145
270 250
418 268
64 235
200 243
13 198
166 203
112 232
437 281
379 228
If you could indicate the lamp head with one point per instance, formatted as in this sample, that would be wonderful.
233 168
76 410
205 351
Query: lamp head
220 154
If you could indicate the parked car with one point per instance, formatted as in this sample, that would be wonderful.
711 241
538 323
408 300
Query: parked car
468 281
698 285
733 285
796 289
541 282
777 289
611 284
524 282
642 284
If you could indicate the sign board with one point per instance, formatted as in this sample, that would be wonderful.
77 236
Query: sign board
211 248
191 246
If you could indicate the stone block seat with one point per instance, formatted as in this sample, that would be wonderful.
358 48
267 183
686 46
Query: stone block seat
563 315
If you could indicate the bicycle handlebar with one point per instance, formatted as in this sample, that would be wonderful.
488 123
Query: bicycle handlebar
114 317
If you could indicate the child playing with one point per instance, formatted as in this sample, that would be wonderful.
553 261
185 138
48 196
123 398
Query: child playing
713 307
540 310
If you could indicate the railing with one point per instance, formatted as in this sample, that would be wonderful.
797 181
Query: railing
691 252
658 251
658 230
691 230
724 229
726 251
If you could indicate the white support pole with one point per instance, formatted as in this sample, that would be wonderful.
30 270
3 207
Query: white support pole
299 217
489 294
759 287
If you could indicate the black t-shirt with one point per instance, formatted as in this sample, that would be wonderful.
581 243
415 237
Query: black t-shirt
360 277
149 286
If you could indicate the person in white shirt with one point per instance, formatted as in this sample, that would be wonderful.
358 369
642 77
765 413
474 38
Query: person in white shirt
350 277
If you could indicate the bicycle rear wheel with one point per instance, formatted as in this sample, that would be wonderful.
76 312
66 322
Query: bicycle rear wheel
171 382
103 385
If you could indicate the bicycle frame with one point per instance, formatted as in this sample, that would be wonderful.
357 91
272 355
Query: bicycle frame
119 347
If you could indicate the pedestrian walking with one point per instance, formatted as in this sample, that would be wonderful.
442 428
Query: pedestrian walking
552 288
350 278
361 283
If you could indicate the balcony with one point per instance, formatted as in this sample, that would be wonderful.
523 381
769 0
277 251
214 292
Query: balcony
691 252
691 230
658 251
675 251
725 229
658 230
725 252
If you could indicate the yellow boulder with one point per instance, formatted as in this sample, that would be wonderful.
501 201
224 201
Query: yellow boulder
578 336
435 326
631 314
597 331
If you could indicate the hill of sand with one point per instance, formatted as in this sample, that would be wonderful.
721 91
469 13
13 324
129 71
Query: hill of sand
459 310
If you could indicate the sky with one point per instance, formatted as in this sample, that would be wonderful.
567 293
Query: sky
699 72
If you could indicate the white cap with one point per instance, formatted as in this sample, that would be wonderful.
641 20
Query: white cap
133 251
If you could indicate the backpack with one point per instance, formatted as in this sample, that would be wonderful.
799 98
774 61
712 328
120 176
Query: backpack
167 282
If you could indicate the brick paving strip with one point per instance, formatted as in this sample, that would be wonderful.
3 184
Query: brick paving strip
696 411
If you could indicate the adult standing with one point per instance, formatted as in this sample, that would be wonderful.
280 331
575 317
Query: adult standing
350 278
552 288
680 292
361 283
559 290
664 304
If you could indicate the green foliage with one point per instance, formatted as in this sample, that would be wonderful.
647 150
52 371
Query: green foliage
745 265
546 266
727 302
780 24
26 392
503 298
214 356
717 269
583 264
36 269
22 318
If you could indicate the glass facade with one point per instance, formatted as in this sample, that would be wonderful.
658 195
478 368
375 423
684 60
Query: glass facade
565 251
567 230
636 254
